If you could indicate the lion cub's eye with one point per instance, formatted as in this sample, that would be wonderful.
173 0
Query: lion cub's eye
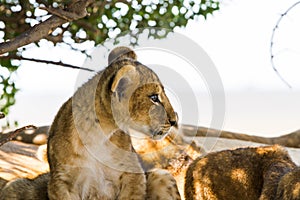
154 98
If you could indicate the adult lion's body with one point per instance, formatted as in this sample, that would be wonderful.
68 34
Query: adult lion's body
89 146
264 173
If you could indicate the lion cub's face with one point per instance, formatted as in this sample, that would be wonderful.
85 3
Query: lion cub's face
139 102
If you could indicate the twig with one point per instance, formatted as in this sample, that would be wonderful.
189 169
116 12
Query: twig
69 16
10 136
272 42
15 57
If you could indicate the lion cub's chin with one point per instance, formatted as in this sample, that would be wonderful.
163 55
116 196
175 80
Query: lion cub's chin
146 134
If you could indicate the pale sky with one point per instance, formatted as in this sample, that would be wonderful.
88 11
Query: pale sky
236 38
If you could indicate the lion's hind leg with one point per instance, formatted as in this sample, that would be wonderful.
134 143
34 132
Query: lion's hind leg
26 189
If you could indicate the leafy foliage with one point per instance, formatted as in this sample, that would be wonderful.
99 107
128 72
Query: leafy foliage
106 19
7 85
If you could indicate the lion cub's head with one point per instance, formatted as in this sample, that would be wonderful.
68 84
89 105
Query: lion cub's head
138 99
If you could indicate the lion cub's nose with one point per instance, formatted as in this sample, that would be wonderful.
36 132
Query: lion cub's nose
173 123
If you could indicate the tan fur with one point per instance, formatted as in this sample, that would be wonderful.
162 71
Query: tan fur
161 186
245 173
86 144
289 186
166 153
121 74
91 132
120 53
172 153
175 163
27 189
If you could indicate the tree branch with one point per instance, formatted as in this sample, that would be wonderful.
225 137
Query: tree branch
15 57
8 137
272 42
76 11
66 15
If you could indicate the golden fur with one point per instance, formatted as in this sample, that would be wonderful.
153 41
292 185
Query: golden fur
125 85
172 154
289 186
89 147
26 189
245 173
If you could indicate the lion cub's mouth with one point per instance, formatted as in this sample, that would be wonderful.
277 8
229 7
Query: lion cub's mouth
155 134
160 133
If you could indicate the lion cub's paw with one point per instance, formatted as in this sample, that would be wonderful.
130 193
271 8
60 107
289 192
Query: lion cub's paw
161 185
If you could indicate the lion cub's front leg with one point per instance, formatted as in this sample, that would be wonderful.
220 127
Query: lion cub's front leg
133 186
58 189
161 185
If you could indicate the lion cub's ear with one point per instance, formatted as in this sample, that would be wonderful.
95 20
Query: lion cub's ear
120 53
124 77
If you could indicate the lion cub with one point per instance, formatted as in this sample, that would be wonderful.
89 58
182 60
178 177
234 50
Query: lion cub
89 146
264 173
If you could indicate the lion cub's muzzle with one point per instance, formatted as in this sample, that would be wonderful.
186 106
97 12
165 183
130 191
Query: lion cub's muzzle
163 130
